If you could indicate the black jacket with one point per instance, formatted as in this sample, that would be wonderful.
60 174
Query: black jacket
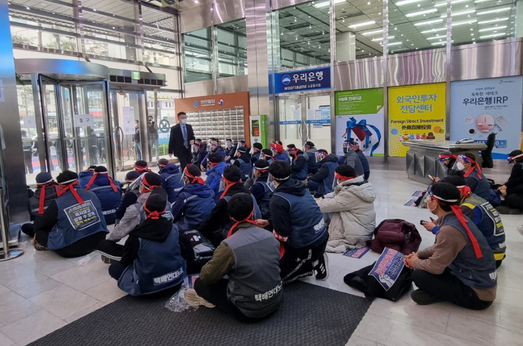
323 170
516 179
155 230
297 164
176 145
257 190
136 136
280 208
219 216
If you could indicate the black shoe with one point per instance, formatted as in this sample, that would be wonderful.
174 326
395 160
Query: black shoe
424 298
322 269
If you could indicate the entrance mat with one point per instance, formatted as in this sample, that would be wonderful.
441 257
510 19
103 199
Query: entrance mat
309 315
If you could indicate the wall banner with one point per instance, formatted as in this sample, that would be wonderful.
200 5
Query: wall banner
359 115
484 106
415 112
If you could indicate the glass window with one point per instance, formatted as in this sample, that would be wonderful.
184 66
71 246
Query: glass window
359 29
301 35
197 48
232 48
482 21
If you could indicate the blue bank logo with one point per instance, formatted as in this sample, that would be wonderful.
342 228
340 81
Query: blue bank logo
286 79
196 104
220 102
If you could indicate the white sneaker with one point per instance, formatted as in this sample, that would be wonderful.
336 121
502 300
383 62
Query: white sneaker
193 299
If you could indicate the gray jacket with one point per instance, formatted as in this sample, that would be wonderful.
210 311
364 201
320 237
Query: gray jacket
129 221
352 159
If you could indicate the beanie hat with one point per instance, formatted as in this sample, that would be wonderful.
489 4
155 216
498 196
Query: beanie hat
151 180
155 204
141 166
277 146
131 176
44 178
258 146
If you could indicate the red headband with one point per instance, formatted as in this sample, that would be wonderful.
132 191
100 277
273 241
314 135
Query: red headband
447 156
146 184
248 219
70 187
154 215
231 183
41 202
343 178
194 178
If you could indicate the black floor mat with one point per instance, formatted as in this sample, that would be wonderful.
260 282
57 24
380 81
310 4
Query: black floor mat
309 315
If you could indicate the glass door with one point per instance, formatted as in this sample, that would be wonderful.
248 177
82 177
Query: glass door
291 124
318 126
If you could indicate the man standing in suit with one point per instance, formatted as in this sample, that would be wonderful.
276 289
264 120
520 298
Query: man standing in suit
181 139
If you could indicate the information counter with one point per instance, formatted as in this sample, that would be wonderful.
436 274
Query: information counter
422 157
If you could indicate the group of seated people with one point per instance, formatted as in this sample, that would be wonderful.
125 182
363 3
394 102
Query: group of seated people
270 216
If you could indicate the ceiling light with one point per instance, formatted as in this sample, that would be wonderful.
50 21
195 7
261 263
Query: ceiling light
501 9
439 43
480 1
428 22
357 25
433 30
394 44
406 2
493 20
440 4
326 3
455 14
494 28
372 32
435 38
377 39
464 22
493 35
420 13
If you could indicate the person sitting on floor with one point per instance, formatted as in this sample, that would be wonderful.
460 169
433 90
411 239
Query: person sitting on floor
243 162
85 176
322 182
256 152
141 166
298 224
482 213
510 194
460 266
215 148
171 178
260 189
194 202
353 218
108 192
363 159
477 182
134 214
448 159
352 159
249 256
218 223
214 174
277 152
130 196
230 150
298 163
152 259
46 191
199 152
266 154
310 150
73 223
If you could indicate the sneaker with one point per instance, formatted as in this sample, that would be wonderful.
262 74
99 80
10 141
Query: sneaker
39 247
193 299
424 298
322 269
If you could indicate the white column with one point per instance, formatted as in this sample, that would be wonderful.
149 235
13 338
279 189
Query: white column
345 46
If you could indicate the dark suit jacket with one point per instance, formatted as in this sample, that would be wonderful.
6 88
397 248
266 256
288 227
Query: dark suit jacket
176 146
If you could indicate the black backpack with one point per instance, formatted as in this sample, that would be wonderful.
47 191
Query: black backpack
196 249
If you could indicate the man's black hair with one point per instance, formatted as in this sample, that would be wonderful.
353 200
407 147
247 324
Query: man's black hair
346 171
516 153
455 180
267 152
292 146
470 156
232 174
100 169
66 175
215 157
240 206
446 191
258 146
280 170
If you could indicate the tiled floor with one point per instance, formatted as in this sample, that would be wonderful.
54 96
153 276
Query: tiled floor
41 292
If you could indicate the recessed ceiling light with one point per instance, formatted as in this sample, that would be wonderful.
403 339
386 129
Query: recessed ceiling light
433 30
372 32
357 25
497 10
420 13
493 35
444 3
406 2
464 22
394 44
455 14
377 39
493 20
428 22
491 29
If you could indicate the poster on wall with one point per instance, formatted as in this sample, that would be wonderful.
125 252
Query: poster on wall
416 112
481 107
359 115
128 120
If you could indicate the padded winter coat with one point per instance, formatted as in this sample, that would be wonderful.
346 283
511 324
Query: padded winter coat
353 216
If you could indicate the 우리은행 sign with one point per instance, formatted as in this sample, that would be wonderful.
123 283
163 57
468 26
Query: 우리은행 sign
303 80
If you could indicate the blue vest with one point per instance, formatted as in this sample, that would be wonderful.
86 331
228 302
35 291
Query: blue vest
483 187
172 185
301 175
214 179
307 224
84 177
265 201
489 222
196 210
109 198
245 168
282 157
328 182
158 266
76 221
312 165
474 272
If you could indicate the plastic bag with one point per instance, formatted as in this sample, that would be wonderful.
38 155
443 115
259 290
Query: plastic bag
177 302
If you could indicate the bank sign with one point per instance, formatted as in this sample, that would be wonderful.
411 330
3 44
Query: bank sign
303 80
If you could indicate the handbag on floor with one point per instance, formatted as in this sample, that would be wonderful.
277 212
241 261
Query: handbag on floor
196 249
